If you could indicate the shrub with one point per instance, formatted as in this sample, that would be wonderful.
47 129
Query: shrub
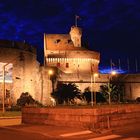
66 92
14 108
26 99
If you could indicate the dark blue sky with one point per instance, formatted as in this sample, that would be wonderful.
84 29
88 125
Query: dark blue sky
111 27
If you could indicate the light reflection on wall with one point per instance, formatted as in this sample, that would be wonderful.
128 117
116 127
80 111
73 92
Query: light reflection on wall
8 72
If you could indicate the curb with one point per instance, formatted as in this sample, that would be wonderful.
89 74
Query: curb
15 117
36 132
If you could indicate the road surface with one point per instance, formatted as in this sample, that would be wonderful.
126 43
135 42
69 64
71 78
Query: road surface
43 132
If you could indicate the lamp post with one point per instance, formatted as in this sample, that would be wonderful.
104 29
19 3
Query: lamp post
21 58
91 91
95 75
93 81
109 88
3 87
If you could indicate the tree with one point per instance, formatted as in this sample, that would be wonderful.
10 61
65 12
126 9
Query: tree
107 91
87 95
112 91
66 92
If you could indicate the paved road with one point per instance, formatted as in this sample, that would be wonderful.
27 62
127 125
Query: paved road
6 134
43 132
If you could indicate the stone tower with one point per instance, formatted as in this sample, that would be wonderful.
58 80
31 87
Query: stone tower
76 34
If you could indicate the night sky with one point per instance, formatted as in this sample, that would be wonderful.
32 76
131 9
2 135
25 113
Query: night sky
111 27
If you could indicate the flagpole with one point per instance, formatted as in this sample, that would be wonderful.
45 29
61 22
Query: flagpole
128 64
76 20
136 63
119 64
45 49
111 64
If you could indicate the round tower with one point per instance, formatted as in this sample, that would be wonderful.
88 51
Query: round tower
76 34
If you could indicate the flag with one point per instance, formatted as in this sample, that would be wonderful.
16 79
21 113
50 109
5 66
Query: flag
77 17
78 71
92 68
112 64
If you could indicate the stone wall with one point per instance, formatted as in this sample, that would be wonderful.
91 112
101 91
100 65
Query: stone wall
132 86
25 72
101 117
131 82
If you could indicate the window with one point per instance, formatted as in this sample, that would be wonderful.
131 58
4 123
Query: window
67 65
57 41
69 41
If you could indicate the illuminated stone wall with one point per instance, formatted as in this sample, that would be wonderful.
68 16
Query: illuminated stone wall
46 86
26 72
132 86
131 82
89 118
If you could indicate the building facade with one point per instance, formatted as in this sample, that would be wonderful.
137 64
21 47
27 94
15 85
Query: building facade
64 54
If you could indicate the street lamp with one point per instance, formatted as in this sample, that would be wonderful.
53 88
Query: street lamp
50 72
95 75
3 87
112 73
93 80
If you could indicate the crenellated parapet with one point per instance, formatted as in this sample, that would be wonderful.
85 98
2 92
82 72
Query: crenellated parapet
17 45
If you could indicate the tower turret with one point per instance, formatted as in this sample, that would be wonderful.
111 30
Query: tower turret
76 34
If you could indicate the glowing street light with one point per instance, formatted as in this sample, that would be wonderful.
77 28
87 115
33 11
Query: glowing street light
113 72
50 72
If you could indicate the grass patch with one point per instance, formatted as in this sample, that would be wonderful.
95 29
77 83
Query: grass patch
10 114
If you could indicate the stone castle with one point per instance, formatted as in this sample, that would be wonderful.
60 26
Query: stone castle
64 55
73 62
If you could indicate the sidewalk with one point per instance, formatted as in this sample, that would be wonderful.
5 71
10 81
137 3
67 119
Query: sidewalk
8 121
